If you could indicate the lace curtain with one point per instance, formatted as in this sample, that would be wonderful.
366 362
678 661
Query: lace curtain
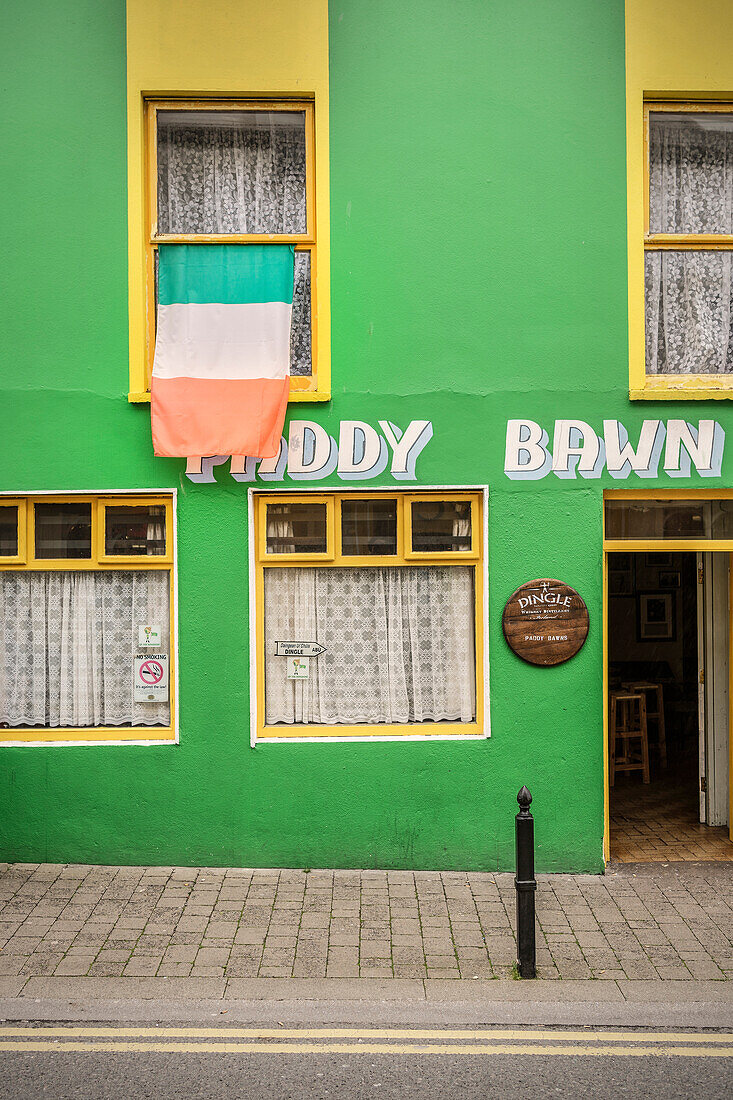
246 174
688 294
399 645
67 641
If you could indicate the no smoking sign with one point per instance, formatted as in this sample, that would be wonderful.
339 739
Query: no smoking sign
150 683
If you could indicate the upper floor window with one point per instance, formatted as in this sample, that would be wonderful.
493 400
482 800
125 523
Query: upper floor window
236 172
688 239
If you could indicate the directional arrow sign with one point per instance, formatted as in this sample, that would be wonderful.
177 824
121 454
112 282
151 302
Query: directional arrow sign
298 649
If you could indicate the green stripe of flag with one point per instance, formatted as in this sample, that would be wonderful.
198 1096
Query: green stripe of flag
231 274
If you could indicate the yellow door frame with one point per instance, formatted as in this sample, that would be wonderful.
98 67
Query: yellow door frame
646 545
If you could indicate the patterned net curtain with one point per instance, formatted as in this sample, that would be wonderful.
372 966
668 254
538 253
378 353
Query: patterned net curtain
239 172
399 645
688 293
67 642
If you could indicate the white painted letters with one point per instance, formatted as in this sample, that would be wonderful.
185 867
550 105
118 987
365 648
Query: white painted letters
362 452
575 444
577 449
406 446
527 457
311 454
704 445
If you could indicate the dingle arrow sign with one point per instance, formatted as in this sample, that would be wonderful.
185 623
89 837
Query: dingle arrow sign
298 649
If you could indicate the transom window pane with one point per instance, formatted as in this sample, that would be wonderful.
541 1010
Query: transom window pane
8 530
296 529
231 172
63 530
441 526
690 172
398 645
134 530
669 519
369 526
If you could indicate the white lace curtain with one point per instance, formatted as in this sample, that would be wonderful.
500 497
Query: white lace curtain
399 645
67 642
239 172
688 294
243 173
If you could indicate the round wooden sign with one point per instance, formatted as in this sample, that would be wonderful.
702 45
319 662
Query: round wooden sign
545 622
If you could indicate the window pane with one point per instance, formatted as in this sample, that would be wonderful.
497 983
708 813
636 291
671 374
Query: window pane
63 530
399 645
441 526
300 331
669 519
231 172
75 667
296 529
369 526
8 530
690 172
688 312
134 530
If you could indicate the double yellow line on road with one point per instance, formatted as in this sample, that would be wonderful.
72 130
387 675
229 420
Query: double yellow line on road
395 1041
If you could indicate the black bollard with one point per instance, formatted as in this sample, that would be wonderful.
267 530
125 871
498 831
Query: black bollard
525 884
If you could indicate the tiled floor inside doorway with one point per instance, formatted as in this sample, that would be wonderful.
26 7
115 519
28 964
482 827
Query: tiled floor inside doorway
658 822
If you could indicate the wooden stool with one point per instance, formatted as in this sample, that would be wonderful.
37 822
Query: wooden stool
627 724
657 714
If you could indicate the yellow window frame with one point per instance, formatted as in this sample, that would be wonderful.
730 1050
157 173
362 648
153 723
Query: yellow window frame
298 558
315 387
337 558
98 562
672 386
20 504
444 555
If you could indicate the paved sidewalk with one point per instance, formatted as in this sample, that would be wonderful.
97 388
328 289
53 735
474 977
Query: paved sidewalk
672 921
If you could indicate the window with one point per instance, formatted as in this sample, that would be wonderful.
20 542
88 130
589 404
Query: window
384 594
237 172
687 244
86 619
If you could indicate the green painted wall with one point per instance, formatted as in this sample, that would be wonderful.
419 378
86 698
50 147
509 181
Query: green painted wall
479 273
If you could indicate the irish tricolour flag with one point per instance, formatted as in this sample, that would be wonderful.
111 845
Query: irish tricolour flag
222 349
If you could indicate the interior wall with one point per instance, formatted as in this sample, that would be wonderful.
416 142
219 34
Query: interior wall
623 641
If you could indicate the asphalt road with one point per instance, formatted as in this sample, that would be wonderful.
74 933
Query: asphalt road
91 1062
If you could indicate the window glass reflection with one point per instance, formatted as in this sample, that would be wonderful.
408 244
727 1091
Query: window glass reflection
296 528
8 530
669 519
63 530
369 527
441 526
133 530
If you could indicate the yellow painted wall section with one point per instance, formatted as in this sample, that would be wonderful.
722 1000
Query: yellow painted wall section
675 49
221 48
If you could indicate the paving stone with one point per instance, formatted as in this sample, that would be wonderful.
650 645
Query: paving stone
211 956
73 965
141 966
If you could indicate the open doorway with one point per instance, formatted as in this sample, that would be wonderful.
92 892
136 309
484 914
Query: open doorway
668 705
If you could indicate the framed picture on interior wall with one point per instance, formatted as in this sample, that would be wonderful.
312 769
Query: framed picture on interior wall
656 619
669 578
661 558
620 582
621 574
